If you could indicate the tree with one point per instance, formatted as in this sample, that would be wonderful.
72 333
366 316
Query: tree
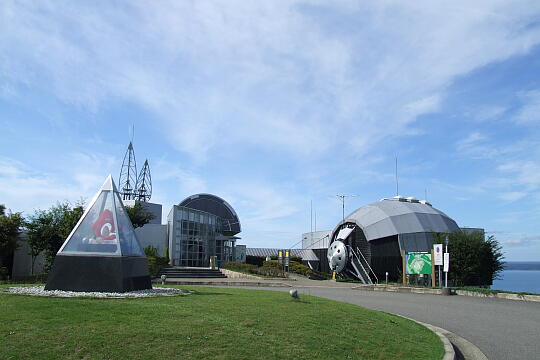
48 229
155 262
139 215
39 231
474 260
10 229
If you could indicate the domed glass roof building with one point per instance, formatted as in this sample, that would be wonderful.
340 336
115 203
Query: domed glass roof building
230 225
369 241
201 226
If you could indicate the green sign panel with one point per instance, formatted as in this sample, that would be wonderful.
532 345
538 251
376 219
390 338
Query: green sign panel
418 263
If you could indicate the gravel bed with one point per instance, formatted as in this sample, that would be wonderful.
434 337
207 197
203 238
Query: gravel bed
40 291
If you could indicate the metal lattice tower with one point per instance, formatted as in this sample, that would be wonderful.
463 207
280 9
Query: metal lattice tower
144 184
128 175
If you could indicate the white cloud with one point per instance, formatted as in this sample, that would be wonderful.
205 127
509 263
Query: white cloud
307 80
25 188
22 189
530 111
524 172
471 144
274 74
512 196
489 113
508 238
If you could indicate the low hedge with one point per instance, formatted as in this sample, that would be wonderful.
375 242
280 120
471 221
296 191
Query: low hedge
274 268
265 270
298 268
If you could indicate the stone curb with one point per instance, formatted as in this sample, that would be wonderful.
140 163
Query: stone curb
518 297
224 283
468 350
449 352
407 289
238 275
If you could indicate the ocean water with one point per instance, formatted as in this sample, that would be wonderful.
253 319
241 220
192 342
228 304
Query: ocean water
519 281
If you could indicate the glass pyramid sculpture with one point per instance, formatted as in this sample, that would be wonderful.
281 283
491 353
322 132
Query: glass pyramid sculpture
104 228
102 252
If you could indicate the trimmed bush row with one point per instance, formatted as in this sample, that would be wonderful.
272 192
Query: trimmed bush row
275 269
265 270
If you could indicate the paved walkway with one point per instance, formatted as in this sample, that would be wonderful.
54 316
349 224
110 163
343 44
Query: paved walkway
502 329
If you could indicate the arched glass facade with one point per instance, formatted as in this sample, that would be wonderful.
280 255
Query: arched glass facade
196 235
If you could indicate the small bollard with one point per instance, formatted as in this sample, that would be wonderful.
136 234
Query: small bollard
293 293
163 279
446 291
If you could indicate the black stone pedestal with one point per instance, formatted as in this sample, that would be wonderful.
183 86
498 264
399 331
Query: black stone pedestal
99 273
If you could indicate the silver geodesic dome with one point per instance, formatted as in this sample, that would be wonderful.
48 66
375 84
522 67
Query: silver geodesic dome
370 240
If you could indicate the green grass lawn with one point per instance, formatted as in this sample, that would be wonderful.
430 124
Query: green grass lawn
210 324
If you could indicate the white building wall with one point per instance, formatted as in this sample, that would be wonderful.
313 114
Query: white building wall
22 261
154 235
316 239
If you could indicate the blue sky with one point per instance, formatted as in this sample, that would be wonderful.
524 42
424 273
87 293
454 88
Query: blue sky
273 104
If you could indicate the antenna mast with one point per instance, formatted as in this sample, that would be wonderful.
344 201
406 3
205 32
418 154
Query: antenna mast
144 184
128 175
342 198
311 219
397 182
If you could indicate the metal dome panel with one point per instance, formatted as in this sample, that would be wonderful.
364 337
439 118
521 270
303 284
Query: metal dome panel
391 217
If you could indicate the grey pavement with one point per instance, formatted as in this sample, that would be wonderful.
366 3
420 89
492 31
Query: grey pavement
502 329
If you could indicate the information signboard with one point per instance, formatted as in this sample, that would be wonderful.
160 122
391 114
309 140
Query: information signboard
418 262
446 262
438 251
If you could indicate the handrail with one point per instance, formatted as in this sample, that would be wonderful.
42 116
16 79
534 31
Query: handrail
359 273
367 263
362 265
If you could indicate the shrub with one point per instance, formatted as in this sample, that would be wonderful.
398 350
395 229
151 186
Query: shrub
273 263
474 260
298 268
235 265
155 262
271 271
254 260
265 270
3 273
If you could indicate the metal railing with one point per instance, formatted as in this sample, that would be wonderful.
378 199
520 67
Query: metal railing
359 274
370 269
355 252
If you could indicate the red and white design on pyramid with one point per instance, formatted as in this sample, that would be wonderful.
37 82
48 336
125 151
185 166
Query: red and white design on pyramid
104 228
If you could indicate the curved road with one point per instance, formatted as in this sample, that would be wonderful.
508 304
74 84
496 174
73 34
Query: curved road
502 329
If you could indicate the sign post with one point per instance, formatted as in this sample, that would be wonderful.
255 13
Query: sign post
438 259
404 262
446 264
433 276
